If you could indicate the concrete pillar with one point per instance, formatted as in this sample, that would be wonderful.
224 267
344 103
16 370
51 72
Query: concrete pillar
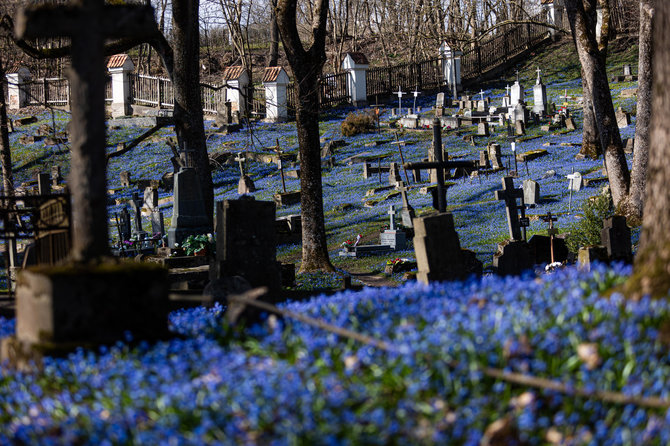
451 66
16 88
120 66
356 64
275 81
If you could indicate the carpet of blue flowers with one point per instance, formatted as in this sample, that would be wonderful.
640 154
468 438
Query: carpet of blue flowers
294 384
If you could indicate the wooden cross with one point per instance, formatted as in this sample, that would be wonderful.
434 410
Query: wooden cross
241 159
509 194
551 231
280 165
88 23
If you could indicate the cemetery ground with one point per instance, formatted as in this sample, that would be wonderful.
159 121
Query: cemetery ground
444 370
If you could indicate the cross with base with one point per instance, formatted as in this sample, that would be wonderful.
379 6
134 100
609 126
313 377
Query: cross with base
400 94
551 231
241 159
88 23
481 92
407 211
391 214
510 195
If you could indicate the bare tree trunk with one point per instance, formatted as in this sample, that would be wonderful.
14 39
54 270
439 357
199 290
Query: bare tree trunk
189 125
306 66
5 150
634 203
590 139
274 36
651 275
582 17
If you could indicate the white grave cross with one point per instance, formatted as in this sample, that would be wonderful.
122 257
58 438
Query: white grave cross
400 94
416 93
539 78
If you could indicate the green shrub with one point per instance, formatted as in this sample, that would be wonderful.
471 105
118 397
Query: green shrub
586 232
357 123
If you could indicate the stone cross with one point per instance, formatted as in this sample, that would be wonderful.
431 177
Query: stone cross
407 211
539 79
241 159
400 94
124 224
481 92
509 194
88 23
551 231
280 165
391 214
507 89
136 203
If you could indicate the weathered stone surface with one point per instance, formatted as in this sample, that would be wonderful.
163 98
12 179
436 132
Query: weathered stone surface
512 258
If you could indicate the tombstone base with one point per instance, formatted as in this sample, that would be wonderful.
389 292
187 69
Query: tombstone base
513 258
287 198
64 307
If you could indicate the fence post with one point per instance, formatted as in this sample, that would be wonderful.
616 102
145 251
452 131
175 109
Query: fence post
355 65
419 78
120 66
16 88
479 60
45 88
160 92
275 81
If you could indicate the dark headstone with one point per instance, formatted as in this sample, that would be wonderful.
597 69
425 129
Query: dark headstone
44 183
512 258
540 248
124 224
246 242
188 215
615 237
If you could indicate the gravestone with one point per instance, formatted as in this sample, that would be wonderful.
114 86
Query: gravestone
615 237
245 185
519 128
124 224
439 256
125 178
393 237
439 105
188 213
87 302
150 199
44 183
136 204
590 254
517 93
483 159
407 211
157 223
483 129
512 258
541 249
575 182
394 174
495 157
622 118
570 123
56 176
539 95
509 194
246 242
531 192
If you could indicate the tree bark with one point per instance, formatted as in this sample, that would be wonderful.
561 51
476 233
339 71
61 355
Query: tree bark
5 150
582 17
189 125
590 139
306 66
634 203
651 274
274 36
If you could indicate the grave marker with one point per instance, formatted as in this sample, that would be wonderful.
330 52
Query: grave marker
615 237
509 194
407 211
531 192
551 231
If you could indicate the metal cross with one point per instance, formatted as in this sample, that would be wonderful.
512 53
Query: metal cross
400 94
241 159
551 231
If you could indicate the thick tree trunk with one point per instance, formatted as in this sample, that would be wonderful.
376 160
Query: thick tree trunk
583 24
590 139
189 125
306 66
5 151
274 36
634 203
651 275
